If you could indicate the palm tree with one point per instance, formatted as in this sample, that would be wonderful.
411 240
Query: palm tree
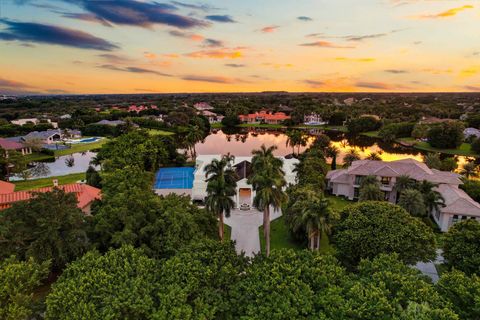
315 215
332 152
432 160
403 182
412 201
350 157
295 138
221 187
432 198
194 135
268 181
370 192
470 170
375 156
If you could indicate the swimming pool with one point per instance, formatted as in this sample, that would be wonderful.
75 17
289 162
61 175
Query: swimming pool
174 178
84 140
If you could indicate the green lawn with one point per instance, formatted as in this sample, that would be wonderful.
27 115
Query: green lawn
81 147
216 125
37 156
156 132
47 182
371 134
324 127
279 237
465 149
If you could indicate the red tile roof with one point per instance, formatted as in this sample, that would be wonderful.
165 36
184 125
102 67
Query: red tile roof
6 187
280 116
85 194
10 145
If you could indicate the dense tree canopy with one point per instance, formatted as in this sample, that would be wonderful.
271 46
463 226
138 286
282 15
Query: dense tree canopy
370 228
47 227
18 279
446 135
461 246
130 213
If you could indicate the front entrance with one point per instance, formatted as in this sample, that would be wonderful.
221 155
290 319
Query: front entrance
244 198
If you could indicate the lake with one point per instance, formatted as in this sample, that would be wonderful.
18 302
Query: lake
242 142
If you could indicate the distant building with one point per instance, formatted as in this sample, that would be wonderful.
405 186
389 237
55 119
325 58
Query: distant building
469 132
313 119
202 106
458 205
138 109
85 194
112 123
264 117
65 116
47 137
35 121
212 116
349 101
9 145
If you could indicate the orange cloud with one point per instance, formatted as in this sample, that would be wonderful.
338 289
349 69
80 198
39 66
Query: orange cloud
224 53
269 29
325 44
149 55
355 59
445 14
171 55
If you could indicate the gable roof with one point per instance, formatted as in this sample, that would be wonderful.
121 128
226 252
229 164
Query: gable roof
42 134
457 201
243 169
10 144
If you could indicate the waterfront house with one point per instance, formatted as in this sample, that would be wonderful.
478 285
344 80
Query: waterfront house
458 205
242 165
46 137
313 119
264 117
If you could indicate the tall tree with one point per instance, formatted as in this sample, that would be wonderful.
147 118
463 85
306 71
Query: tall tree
432 198
47 227
332 153
221 187
375 156
195 134
350 157
312 213
403 182
268 181
470 170
412 201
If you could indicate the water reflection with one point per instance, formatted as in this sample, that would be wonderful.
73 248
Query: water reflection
242 142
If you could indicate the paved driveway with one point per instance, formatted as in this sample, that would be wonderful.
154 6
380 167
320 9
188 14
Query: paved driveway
244 226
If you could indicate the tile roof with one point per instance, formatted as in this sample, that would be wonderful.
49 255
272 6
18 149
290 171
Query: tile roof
85 194
42 134
10 145
457 201
264 115
6 187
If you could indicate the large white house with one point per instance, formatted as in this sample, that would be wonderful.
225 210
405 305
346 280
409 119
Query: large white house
458 205
245 194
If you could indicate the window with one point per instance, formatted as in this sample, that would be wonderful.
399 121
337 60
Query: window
358 180
356 193
455 218
386 195
385 180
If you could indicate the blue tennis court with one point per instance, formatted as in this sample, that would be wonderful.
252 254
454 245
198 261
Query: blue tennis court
174 178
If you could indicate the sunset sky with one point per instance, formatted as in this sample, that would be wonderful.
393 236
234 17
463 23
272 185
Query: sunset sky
133 46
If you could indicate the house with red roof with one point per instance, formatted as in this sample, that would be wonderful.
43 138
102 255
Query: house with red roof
264 117
9 145
85 194
137 109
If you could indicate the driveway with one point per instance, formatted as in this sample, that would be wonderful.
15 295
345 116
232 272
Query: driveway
244 226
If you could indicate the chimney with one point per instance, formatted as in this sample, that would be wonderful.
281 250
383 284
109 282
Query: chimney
55 183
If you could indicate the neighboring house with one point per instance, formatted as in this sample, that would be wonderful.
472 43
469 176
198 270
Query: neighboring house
264 116
469 132
9 145
202 106
85 194
65 116
212 116
458 205
46 137
112 123
35 121
313 119
349 101
137 109
242 165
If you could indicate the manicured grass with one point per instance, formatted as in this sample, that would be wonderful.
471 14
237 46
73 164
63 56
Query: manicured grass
465 149
324 127
37 156
279 237
156 132
81 147
338 203
227 232
216 125
371 134
47 182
